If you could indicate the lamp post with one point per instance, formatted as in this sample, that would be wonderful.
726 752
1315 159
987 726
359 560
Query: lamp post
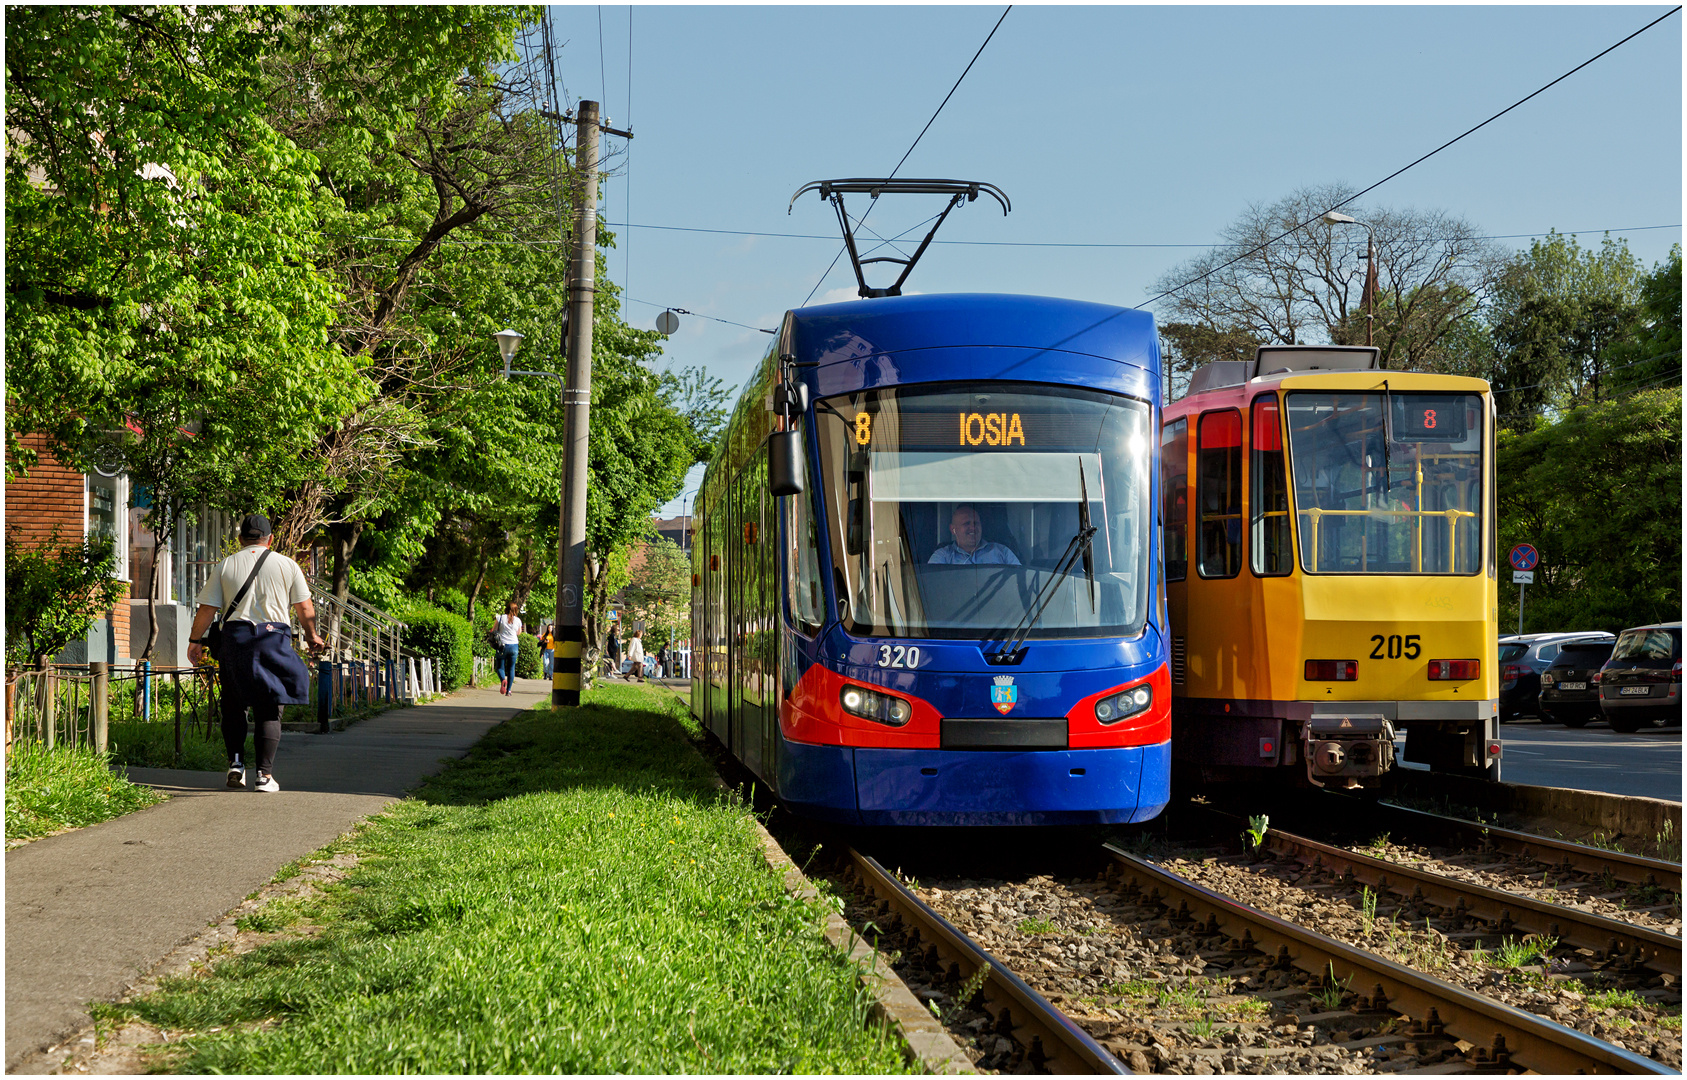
1370 298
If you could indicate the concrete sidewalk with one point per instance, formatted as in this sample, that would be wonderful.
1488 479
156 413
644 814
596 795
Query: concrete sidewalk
91 911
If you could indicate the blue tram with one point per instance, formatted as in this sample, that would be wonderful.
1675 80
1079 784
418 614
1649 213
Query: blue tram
960 619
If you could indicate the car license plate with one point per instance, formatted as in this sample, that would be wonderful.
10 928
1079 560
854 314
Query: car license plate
1634 691
1572 686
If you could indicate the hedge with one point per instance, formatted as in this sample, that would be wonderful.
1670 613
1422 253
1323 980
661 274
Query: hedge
527 661
442 636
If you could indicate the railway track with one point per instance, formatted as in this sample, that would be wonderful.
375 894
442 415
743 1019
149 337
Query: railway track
1620 944
1497 1035
1565 855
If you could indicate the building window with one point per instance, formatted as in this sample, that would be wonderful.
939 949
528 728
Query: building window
107 500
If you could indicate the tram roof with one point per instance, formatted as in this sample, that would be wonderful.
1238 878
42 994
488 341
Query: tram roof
830 333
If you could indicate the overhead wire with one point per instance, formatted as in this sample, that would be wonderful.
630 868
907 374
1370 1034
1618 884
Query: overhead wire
915 143
1289 232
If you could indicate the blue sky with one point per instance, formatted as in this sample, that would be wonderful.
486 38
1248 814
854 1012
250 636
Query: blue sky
1116 125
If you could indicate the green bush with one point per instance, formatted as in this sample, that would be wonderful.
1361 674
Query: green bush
443 637
527 661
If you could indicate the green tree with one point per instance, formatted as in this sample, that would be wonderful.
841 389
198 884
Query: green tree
658 591
1652 354
1557 312
1599 494
55 592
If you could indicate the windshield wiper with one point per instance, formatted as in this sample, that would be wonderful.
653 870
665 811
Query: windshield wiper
1012 651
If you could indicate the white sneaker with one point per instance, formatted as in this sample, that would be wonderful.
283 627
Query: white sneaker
266 782
236 773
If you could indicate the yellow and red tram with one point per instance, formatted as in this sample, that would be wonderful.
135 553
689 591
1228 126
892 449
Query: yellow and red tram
1331 566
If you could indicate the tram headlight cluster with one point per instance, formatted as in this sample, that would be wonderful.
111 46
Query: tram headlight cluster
880 708
1116 707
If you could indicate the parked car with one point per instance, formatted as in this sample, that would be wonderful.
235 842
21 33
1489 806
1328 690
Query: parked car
1522 659
1569 694
1641 682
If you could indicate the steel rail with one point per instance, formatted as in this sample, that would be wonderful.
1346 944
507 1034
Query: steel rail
1507 912
1501 1035
1630 869
1052 1041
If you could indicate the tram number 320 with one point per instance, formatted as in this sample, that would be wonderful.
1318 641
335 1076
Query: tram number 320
899 656
1394 646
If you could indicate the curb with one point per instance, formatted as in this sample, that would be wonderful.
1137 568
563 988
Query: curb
927 1040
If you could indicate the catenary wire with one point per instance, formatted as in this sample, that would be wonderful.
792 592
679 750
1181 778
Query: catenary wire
1419 161
916 142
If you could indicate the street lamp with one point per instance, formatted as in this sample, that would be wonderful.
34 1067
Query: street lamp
508 342
1333 218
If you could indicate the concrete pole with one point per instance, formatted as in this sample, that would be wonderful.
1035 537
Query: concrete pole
576 424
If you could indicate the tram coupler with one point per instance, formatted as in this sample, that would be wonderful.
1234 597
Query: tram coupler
1347 749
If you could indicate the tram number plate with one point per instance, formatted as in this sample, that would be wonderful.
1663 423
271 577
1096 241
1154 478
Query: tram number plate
1572 686
1393 646
1637 691
899 656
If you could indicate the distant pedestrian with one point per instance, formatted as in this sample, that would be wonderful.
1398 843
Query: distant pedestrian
662 662
506 636
635 657
259 670
612 649
547 649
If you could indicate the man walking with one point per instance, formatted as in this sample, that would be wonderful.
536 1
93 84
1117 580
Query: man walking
256 664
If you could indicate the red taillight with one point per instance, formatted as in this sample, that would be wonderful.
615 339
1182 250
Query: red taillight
1332 670
1675 672
1595 678
1510 672
1458 669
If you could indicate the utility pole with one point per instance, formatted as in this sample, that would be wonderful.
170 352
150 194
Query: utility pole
566 679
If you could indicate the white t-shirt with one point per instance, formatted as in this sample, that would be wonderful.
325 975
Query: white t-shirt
278 586
508 628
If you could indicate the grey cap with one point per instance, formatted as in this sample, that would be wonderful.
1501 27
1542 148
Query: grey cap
255 526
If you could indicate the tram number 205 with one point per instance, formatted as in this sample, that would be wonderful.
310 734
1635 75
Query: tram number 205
1394 646
899 656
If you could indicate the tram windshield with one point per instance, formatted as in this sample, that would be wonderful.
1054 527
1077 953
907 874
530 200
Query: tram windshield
1403 497
950 509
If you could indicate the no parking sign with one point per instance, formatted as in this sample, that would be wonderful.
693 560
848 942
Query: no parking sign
1525 557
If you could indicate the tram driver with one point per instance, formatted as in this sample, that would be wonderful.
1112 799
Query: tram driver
970 547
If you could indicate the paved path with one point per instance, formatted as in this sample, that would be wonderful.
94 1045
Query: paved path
89 912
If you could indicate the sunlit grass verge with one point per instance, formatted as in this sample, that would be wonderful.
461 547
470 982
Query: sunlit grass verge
575 897
62 788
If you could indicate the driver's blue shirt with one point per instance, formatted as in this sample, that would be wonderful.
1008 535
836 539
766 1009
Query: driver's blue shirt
984 553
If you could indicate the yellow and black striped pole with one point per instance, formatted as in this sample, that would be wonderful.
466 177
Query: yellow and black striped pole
576 420
566 674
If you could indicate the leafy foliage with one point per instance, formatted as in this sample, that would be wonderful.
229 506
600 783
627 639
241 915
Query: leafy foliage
55 591
1599 494
659 592
444 637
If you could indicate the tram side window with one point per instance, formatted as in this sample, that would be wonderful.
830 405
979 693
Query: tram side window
805 593
1174 463
1218 493
1272 546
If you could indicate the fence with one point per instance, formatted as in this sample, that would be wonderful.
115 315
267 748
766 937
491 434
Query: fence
76 704
79 704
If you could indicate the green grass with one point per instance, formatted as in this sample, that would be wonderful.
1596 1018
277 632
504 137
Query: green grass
573 897
62 788
1516 954
1616 999
1037 926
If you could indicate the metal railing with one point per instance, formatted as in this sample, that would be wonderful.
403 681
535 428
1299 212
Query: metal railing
77 704
354 629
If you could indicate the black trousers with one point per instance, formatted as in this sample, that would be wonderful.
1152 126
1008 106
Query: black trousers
266 717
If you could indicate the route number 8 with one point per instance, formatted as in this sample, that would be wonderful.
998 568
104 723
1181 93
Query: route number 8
1429 419
863 428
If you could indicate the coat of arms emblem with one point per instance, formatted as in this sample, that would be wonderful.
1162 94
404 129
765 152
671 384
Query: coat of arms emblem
1004 694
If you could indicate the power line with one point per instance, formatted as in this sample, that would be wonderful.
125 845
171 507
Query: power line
698 315
1121 245
916 142
1419 161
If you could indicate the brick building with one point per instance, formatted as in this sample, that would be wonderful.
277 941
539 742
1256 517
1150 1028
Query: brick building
79 505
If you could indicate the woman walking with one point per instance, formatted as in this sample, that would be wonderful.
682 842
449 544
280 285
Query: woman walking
506 637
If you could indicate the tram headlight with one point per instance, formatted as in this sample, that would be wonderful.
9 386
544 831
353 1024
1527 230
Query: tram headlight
879 708
1116 707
